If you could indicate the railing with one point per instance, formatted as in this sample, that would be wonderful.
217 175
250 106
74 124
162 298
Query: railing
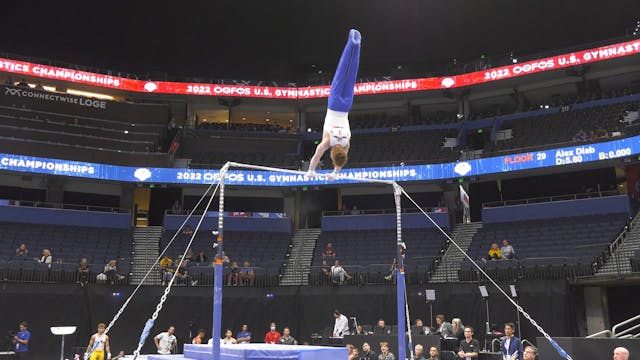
31 271
204 276
603 333
381 211
52 205
589 195
620 257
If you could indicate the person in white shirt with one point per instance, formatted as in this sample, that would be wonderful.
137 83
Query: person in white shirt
228 338
166 341
338 273
46 257
341 326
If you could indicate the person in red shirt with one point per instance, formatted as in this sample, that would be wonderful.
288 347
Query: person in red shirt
273 335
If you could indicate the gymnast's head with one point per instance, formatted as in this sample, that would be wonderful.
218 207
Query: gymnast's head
338 155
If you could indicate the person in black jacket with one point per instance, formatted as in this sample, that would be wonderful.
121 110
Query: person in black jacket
367 353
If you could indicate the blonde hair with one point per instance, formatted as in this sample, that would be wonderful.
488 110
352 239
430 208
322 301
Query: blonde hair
338 155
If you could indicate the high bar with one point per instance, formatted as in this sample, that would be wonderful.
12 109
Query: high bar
323 176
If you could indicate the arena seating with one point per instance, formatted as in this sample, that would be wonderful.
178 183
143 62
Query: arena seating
264 251
550 248
68 244
368 254
561 127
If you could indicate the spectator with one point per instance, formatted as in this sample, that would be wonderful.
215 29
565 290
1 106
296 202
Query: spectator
418 352
165 263
247 276
367 353
273 335
531 353
199 338
22 251
234 274
120 355
338 273
381 328
444 328
286 338
355 211
385 354
353 352
494 253
510 345
167 272
166 341
581 135
360 330
457 329
508 253
228 338
46 257
601 133
189 256
111 271
433 353
201 258
341 325
619 353
325 273
225 258
469 347
244 336
83 272
182 277
419 328
329 253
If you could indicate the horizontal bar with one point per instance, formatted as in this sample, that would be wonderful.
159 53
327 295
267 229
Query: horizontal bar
268 168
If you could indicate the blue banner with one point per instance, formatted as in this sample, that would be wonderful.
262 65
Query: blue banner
523 161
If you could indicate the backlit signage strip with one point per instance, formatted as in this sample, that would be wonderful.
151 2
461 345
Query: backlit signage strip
270 92
577 154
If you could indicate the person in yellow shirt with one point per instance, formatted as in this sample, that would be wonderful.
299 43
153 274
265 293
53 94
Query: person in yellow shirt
495 253
97 345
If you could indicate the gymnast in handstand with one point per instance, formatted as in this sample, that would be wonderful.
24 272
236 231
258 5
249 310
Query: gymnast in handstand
336 133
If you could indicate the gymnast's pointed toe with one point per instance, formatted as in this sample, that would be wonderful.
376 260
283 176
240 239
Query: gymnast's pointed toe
355 37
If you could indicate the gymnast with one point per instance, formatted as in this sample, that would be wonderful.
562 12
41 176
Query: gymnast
336 133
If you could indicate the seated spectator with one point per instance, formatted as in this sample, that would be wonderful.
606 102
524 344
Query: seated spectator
272 335
234 274
367 353
338 274
420 329
199 338
83 272
201 258
458 328
325 273
531 353
244 336
385 354
46 257
167 273
247 275
165 262
418 352
329 253
286 338
360 330
111 271
581 135
187 231
433 353
601 133
225 258
22 251
189 256
381 328
353 352
495 253
228 338
182 277
508 253
355 211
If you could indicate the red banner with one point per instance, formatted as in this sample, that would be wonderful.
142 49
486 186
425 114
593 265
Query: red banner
270 92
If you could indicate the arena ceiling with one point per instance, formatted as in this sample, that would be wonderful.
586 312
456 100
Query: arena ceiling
281 39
